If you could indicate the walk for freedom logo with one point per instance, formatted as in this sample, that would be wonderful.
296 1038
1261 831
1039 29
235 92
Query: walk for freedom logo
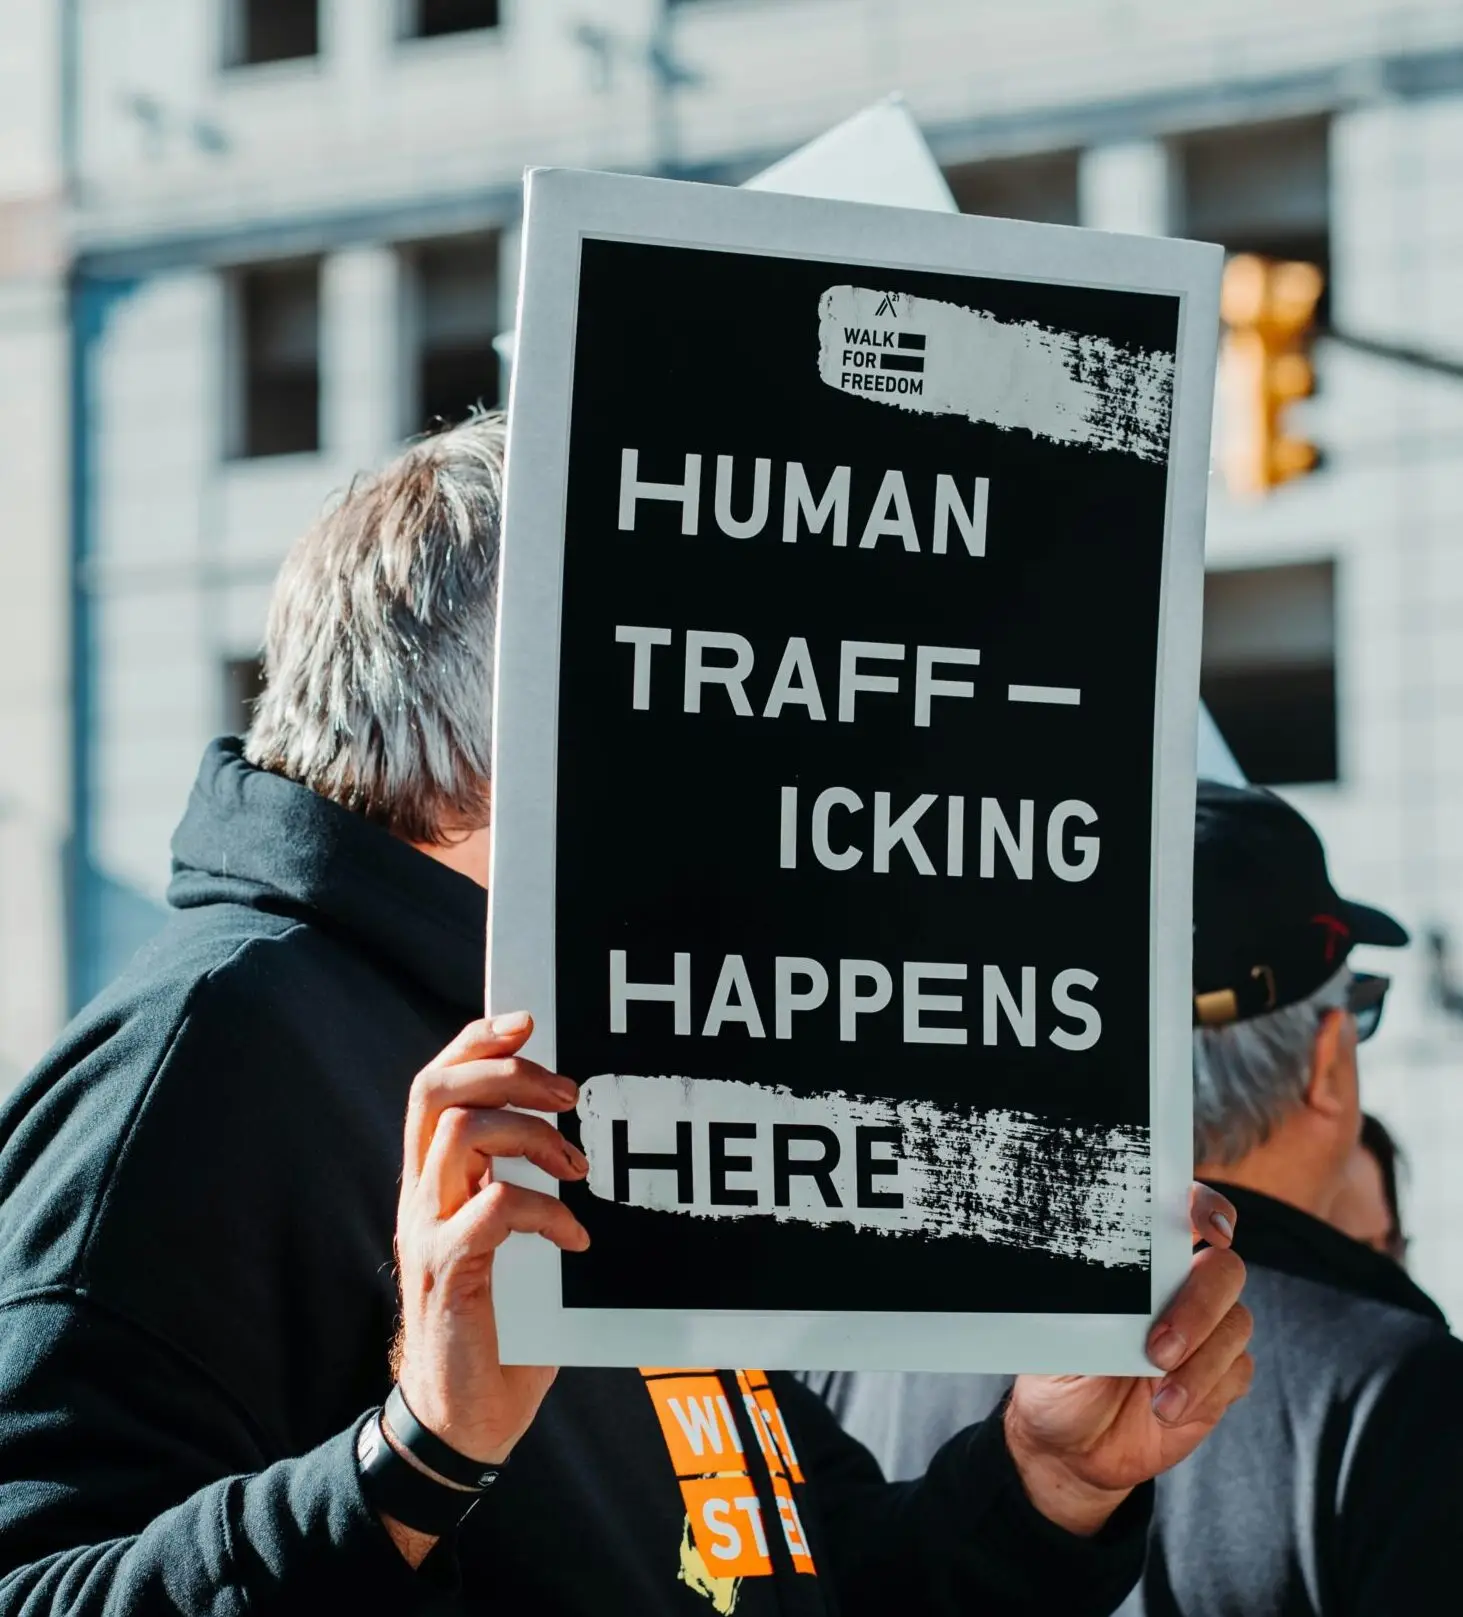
944 359
871 354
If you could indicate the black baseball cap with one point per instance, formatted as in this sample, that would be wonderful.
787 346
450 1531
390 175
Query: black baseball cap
1269 928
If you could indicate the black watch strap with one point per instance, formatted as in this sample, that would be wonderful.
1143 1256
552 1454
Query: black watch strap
394 1486
436 1455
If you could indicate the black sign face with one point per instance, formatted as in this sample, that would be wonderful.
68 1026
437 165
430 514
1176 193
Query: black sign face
844 608
797 749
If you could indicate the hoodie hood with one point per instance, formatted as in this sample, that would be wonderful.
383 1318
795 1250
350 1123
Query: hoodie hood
252 838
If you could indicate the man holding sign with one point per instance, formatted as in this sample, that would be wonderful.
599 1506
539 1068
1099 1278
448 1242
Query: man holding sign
200 1188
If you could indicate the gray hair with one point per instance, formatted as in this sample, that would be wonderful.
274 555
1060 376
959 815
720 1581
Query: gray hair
378 658
1249 1075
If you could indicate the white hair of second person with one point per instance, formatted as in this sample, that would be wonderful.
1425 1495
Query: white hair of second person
378 657
1249 1075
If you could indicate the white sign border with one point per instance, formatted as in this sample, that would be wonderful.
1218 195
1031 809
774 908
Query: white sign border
563 207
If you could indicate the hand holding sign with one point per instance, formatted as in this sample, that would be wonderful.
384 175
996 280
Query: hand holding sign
452 1218
1082 1443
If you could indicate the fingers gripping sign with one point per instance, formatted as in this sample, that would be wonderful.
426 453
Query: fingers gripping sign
452 1217
1082 1443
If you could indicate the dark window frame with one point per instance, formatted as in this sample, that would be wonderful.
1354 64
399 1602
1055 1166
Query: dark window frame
441 381
1279 712
241 47
241 686
995 186
1205 196
433 19
273 408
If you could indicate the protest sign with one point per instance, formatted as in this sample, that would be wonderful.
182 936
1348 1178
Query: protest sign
844 732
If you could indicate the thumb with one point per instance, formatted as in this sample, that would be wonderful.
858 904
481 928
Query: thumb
1212 1217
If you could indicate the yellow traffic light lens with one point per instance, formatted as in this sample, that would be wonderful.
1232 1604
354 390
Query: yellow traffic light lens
1294 291
1290 457
1290 377
1269 309
1243 291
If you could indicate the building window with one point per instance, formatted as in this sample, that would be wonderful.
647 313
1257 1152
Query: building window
451 320
425 19
276 404
243 685
1269 669
270 31
1043 187
1259 188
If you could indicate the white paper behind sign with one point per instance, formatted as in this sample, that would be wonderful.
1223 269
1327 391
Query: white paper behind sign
1216 761
878 155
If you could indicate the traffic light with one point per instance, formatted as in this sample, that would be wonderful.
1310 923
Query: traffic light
1269 309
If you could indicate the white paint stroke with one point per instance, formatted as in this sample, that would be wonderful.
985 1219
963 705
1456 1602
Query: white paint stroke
1017 375
1055 695
1011 1178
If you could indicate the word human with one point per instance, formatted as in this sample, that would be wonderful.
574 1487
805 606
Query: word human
882 828
717 659
1011 1009
891 515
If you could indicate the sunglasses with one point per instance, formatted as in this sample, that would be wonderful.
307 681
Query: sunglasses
1364 999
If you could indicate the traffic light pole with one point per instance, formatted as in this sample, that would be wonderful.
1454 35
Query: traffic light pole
1420 359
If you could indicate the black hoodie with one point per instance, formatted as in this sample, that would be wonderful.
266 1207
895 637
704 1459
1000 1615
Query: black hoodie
197 1192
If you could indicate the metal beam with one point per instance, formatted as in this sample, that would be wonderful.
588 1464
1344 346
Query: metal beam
1420 359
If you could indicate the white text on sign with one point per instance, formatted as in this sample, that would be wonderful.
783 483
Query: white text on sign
890 514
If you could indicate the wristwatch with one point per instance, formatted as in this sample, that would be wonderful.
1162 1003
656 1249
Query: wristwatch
433 1496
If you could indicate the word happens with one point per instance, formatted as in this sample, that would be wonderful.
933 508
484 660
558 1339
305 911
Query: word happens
859 989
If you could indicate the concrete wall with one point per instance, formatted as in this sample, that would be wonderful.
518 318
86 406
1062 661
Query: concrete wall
34 675
168 142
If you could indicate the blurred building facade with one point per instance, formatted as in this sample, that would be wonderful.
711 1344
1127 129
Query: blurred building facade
35 718
292 236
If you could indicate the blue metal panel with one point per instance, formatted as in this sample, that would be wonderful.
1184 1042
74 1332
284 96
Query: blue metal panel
106 921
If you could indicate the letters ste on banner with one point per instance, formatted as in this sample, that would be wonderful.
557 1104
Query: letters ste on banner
843 788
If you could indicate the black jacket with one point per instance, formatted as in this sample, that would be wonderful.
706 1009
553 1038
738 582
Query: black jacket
197 1193
1336 1488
